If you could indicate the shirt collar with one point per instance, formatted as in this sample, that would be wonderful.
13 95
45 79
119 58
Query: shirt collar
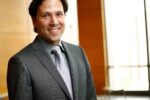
49 47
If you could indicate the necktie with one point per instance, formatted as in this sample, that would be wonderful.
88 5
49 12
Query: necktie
62 67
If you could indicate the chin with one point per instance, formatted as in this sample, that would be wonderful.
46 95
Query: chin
53 41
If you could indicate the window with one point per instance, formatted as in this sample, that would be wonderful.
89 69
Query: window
127 44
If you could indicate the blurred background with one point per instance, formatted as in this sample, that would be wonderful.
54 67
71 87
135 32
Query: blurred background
115 35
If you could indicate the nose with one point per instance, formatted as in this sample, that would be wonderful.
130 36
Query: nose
53 20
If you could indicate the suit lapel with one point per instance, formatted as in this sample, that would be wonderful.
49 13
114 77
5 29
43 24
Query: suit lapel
73 69
47 62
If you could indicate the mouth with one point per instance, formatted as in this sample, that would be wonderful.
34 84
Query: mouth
53 30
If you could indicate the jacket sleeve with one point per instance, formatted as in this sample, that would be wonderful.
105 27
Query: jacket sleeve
90 90
18 81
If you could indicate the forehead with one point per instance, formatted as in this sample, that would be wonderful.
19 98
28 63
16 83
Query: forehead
51 5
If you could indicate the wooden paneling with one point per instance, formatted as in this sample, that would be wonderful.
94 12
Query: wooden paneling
14 33
91 39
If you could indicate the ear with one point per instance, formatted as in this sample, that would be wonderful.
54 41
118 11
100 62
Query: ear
34 21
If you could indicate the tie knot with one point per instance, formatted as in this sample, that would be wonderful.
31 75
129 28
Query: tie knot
56 50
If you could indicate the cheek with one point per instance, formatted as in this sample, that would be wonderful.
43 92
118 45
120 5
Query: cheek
43 24
63 25
62 21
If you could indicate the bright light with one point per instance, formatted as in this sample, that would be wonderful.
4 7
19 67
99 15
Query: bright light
126 38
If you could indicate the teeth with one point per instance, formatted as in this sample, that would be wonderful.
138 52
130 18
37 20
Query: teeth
53 29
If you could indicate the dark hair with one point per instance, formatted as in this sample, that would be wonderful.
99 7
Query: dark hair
36 3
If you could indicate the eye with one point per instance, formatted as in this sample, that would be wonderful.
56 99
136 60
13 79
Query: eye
45 15
59 14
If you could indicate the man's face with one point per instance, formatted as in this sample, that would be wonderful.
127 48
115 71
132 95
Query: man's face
50 21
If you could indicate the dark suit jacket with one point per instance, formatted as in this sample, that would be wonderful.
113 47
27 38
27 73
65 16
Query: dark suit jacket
32 75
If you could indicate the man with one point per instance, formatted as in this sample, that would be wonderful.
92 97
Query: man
37 72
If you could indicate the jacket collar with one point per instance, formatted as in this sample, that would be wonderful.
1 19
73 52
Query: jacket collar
43 56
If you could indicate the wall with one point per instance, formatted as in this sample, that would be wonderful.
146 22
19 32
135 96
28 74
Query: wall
91 39
15 33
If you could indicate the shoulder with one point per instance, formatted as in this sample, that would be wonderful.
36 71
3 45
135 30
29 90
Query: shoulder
76 49
28 49
24 52
71 46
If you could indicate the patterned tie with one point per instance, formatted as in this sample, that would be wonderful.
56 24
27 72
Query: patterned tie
62 67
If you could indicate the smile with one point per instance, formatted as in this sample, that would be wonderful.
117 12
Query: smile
55 29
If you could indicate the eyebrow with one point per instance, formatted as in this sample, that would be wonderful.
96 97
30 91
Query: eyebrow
48 12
